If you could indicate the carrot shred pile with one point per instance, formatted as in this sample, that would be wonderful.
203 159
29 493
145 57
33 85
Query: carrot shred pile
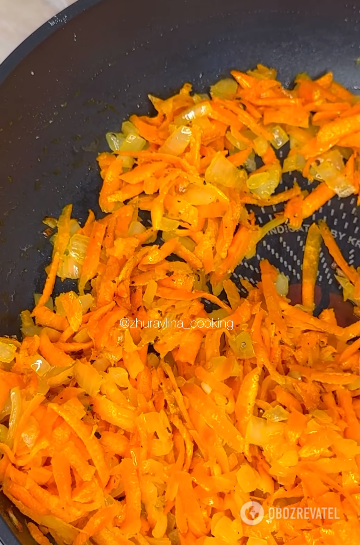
130 415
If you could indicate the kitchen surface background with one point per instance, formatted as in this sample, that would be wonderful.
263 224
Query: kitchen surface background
19 18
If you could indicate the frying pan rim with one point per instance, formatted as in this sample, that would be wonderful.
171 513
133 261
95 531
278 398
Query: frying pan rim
22 51
8 66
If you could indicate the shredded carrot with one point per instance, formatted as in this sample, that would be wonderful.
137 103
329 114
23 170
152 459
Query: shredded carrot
52 353
92 258
310 266
50 281
133 413
132 522
334 250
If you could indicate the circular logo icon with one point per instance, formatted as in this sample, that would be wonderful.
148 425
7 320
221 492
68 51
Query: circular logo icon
252 513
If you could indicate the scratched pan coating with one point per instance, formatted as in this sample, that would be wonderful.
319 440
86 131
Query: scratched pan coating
85 71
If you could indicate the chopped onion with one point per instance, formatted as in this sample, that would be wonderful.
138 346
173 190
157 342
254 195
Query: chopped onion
7 350
120 376
39 365
226 531
295 374
263 72
221 171
199 194
50 222
260 145
330 168
69 268
203 109
225 88
136 228
250 163
333 158
129 128
242 345
294 162
74 227
88 378
322 416
263 184
257 180
59 306
177 141
133 142
82 336
159 529
340 184
6 409
26 319
49 303
15 415
150 292
248 478
185 241
114 140
30 331
180 381
101 365
276 414
168 224
238 144
259 430
78 247
188 243
207 389
203 123
31 432
214 520
86 301
282 284
3 433
200 97
279 137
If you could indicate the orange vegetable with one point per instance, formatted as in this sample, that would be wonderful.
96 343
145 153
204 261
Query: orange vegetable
335 252
310 266
50 281
213 416
52 353
90 442
132 523
62 476
246 399
97 522
92 258
133 413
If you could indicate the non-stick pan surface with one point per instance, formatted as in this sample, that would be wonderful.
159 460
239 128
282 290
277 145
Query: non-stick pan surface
86 70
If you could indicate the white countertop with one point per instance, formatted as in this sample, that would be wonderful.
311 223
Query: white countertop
19 18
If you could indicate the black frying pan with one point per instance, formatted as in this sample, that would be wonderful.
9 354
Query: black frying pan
86 70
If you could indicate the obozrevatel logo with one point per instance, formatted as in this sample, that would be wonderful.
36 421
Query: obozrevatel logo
252 513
